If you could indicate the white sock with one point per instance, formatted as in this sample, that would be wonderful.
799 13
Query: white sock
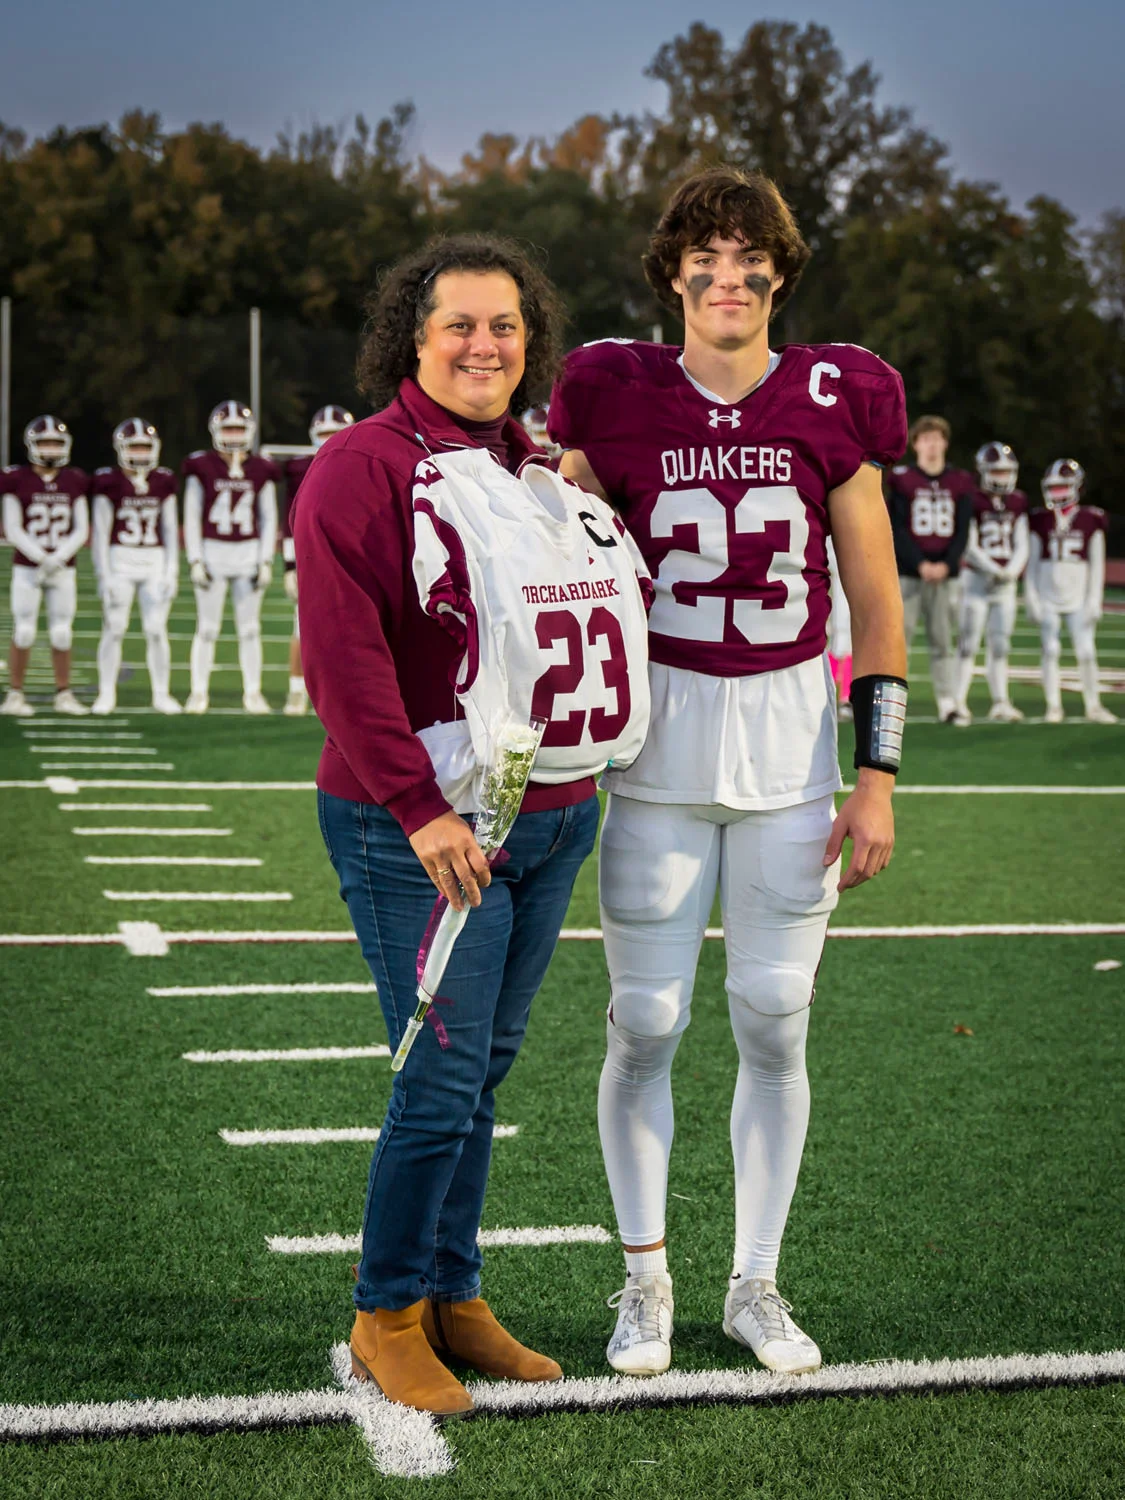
1088 677
158 658
296 684
646 1262
768 1274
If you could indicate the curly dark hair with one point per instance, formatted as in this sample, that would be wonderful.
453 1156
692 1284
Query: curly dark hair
736 205
406 296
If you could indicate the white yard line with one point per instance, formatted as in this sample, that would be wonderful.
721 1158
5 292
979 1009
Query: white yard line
38 747
198 895
246 863
153 833
135 807
572 934
125 765
967 790
349 1244
190 991
31 729
286 1054
327 1136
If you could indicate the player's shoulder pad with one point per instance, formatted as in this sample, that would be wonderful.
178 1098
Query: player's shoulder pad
901 469
610 361
1099 515
851 359
109 469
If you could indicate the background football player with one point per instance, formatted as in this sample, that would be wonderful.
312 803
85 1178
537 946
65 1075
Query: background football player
230 532
730 463
536 421
325 422
931 506
1066 581
995 557
47 520
135 547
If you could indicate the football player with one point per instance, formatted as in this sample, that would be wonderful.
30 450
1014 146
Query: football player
1066 581
325 422
46 519
730 463
535 423
135 546
931 506
230 531
995 557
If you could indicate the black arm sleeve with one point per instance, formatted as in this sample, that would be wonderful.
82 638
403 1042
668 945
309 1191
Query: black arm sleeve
960 538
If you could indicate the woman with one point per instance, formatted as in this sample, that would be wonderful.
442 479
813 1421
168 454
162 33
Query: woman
459 334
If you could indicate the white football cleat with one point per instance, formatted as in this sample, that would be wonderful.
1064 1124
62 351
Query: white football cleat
198 703
642 1341
845 713
103 705
1099 714
1054 716
16 705
166 706
67 703
960 717
756 1316
296 704
255 703
1005 713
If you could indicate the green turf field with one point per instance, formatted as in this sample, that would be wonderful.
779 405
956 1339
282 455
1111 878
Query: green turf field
961 1195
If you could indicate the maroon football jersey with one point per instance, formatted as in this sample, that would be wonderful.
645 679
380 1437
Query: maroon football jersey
47 505
728 503
230 506
1068 540
295 471
931 513
136 512
996 517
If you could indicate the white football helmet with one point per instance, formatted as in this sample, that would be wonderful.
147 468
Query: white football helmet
328 419
1062 483
137 445
534 422
232 428
48 442
998 468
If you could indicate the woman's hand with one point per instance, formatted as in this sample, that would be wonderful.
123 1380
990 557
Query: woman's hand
452 859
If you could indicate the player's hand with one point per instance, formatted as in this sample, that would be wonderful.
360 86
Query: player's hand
49 567
200 577
291 584
869 821
118 593
452 859
263 575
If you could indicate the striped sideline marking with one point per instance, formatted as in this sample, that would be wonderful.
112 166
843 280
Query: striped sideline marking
407 1443
329 1135
181 991
153 833
198 895
135 807
577 934
520 1239
246 863
288 1054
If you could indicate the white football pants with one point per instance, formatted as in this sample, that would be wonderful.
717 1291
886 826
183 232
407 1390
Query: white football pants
996 610
62 604
247 604
660 866
1081 632
117 606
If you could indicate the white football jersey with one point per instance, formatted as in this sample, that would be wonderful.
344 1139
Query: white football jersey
545 590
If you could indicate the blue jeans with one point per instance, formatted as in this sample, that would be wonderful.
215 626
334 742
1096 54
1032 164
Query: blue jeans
425 1193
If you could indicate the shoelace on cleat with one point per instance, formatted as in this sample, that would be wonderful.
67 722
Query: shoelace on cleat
772 1313
644 1312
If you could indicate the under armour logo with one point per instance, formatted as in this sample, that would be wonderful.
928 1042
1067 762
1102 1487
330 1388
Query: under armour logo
733 417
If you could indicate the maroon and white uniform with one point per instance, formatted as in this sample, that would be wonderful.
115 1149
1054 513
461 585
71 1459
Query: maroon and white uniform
997 548
728 504
1066 571
295 471
230 513
47 522
930 516
995 556
134 524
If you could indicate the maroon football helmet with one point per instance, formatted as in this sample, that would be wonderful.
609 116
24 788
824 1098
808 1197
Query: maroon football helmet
137 445
232 428
998 468
326 421
48 442
1062 483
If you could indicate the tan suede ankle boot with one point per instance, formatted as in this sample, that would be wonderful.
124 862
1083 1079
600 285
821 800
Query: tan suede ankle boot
391 1350
470 1333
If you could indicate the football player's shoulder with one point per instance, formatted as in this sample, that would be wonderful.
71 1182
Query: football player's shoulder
1041 517
1098 517
197 462
13 478
74 479
1019 503
609 362
162 482
105 480
849 359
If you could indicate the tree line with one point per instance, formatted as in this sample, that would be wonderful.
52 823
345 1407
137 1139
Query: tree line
133 254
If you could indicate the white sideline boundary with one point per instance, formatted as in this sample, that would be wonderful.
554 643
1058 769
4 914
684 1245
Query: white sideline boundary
191 991
135 807
179 896
166 940
247 862
920 789
286 1054
408 1444
152 833
328 1136
99 765
520 1239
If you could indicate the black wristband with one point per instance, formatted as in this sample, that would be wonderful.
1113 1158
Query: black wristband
879 708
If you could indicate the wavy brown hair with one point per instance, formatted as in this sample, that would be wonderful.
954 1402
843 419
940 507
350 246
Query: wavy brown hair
407 294
734 205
